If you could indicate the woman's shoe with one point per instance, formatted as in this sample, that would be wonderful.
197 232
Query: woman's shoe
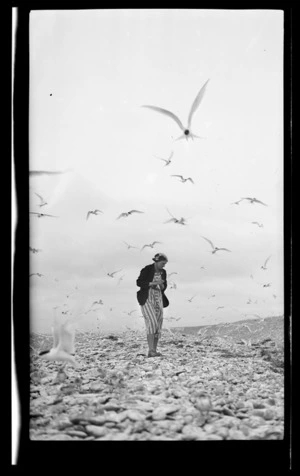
153 353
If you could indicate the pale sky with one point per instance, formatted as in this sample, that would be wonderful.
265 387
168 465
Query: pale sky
90 73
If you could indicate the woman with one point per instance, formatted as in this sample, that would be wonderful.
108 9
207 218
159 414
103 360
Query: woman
151 297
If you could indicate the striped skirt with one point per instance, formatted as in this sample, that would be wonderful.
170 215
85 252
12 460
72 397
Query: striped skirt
152 311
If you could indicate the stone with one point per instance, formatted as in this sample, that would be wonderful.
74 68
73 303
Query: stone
96 430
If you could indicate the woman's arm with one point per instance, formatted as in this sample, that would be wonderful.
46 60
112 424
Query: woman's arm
165 285
143 280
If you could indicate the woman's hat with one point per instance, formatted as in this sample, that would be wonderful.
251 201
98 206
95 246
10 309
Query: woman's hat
160 257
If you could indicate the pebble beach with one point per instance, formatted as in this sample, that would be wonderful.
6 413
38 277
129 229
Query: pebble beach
203 387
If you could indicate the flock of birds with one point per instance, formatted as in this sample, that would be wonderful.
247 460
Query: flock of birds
63 333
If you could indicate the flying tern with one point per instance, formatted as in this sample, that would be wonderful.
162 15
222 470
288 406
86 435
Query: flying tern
129 246
254 200
168 160
190 299
37 274
63 344
48 172
98 302
180 221
215 248
151 245
182 179
95 212
260 225
186 130
39 215
43 202
264 266
111 275
34 250
126 214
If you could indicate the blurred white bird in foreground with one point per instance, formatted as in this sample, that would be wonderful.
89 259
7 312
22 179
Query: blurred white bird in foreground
186 130
63 344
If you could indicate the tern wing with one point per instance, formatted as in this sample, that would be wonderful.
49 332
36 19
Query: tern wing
156 242
267 260
47 172
135 211
196 103
40 197
170 213
191 180
122 215
210 242
55 334
262 203
67 337
171 219
167 113
114 272
224 249
88 214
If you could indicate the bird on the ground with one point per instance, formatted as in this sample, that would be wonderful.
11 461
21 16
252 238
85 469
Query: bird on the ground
126 214
168 160
34 250
186 130
215 248
258 224
63 348
36 274
254 200
39 215
182 179
180 221
43 202
129 246
151 245
94 212
264 266
203 402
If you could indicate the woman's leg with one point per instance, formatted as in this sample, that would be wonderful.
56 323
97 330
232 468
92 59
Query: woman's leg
150 339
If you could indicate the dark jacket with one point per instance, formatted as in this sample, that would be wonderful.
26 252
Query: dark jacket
145 277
